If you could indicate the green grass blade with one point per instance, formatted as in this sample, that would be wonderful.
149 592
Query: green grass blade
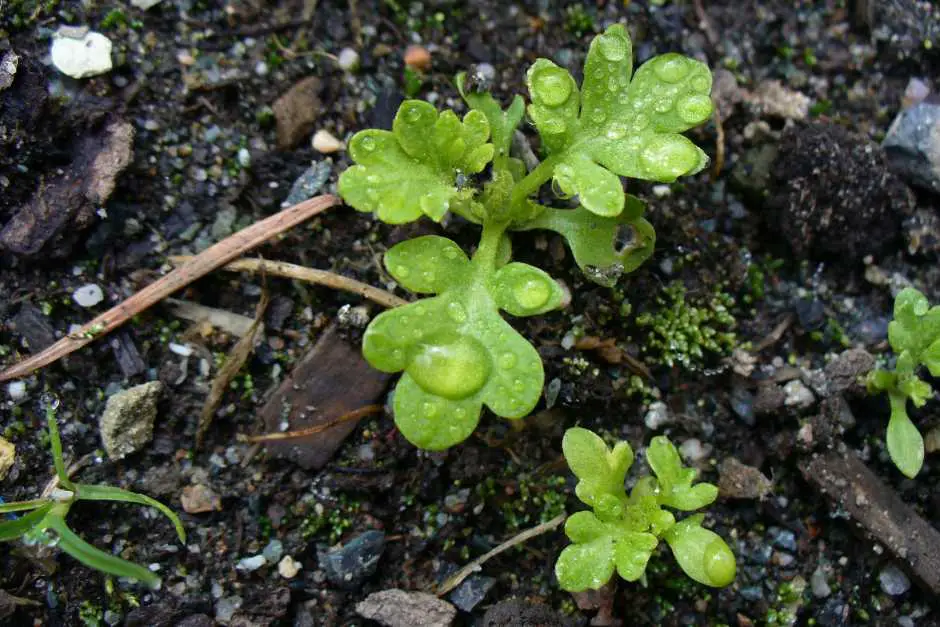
109 493
13 529
56 444
20 506
95 558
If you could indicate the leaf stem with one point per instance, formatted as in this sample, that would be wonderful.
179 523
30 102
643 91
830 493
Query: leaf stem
485 256
533 180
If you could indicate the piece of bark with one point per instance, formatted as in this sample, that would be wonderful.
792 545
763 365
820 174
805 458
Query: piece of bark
880 511
331 380
296 112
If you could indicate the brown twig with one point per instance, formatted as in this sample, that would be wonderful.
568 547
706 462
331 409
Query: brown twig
200 265
310 275
719 145
368 410
454 580
774 336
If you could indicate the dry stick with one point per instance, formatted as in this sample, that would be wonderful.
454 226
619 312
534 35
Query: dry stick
454 581
200 265
356 414
310 275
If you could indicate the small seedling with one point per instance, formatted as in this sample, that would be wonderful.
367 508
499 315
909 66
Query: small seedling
456 350
621 531
914 335
45 523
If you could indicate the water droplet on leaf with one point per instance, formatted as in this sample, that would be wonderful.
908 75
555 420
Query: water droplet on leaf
402 271
553 126
552 85
454 369
507 361
367 144
413 114
456 312
671 68
612 47
532 294
694 109
616 130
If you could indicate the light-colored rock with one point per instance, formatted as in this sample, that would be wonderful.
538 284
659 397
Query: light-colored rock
16 390
199 499
251 564
288 567
348 60
80 53
657 416
798 395
7 456
693 451
88 295
776 100
127 422
400 608
144 5
8 65
913 145
324 142
418 58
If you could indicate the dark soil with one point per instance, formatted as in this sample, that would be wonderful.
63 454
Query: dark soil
197 81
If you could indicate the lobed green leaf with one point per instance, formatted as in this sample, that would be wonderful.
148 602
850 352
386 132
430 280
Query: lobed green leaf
701 553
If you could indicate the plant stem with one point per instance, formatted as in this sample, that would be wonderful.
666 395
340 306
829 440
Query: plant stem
485 256
533 180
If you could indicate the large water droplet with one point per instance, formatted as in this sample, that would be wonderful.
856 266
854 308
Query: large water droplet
612 47
663 105
701 83
616 130
450 253
413 114
454 369
552 126
552 85
457 312
671 67
694 109
402 271
367 144
641 121
598 115
532 294
667 157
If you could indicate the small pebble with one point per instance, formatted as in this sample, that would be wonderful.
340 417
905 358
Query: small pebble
250 564
324 142
198 499
16 390
418 58
348 60
692 450
80 53
88 295
244 158
273 551
819 584
657 416
288 567
893 581
798 395
7 456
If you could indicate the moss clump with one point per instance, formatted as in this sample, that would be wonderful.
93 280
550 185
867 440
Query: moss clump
685 327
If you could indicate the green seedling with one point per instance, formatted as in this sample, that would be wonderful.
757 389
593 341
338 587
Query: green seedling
621 531
914 335
45 521
456 351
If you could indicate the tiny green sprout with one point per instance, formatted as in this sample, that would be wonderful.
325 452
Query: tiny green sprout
914 335
45 521
621 531
455 349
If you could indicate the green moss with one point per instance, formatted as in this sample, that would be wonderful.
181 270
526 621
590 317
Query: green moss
578 21
685 328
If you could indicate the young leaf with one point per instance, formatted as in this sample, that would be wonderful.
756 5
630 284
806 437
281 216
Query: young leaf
426 265
601 471
905 444
17 527
502 123
109 493
675 480
599 548
524 290
619 127
701 553
604 248
412 170
95 558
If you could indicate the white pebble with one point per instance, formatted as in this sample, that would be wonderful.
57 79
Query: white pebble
692 450
657 416
288 567
183 350
348 60
244 157
88 295
17 390
324 142
249 564
80 53
798 395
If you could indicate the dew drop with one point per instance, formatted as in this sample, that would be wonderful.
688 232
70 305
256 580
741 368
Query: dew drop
397 354
413 114
429 409
372 178
507 361
667 157
518 385
429 276
454 369
552 85
456 312
616 130
612 47
372 194
612 83
701 83
598 115
532 294
641 121
671 68
694 109
460 413
402 271
367 144
663 105
450 253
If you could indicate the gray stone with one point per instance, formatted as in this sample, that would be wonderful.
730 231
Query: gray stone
657 416
471 592
798 395
782 538
8 65
893 581
349 565
913 145
819 584
399 608
348 60
844 371
127 422
88 295
310 182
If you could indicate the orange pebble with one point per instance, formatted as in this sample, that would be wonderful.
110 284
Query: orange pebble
418 58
